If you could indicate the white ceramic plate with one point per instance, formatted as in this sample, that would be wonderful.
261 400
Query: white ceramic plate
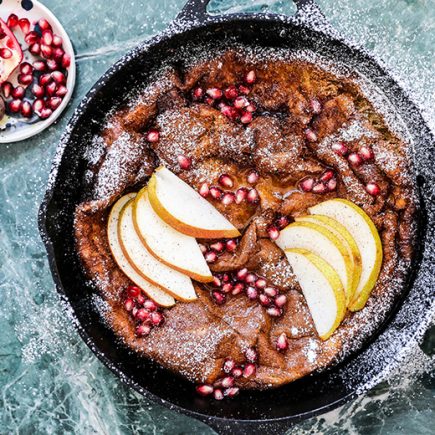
20 128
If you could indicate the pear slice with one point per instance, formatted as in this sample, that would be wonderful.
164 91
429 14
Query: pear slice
347 241
323 243
366 236
173 282
322 290
186 210
156 294
168 245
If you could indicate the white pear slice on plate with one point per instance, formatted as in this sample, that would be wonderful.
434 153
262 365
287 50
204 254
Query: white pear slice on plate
155 293
175 249
323 243
347 241
170 280
184 209
322 290
366 236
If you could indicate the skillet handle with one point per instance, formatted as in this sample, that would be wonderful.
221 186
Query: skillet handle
231 427
194 11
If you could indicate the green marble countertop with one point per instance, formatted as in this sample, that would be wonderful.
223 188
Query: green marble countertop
50 382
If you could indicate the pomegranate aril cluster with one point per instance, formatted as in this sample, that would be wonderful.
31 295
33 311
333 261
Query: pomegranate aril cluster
364 155
224 385
326 182
145 312
212 251
232 101
42 84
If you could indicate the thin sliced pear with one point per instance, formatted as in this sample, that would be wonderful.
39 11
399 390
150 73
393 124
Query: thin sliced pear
348 242
173 282
366 236
323 243
322 290
186 210
156 294
168 245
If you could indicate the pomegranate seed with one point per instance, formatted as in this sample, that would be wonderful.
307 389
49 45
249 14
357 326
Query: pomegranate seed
203 248
270 291
31 38
225 277
209 101
227 382
216 281
197 93
241 102
44 24
253 196
128 304
251 278
15 106
251 292
228 198
231 245
184 162
273 232
47 37
327 175
231 92
355 159
260 283
249 370
66 61
226 181
241 195
153 136
215 192
38 105
143 330
46 51
218 246
142 314
18 92
251 355
133 291
227 287
58 77
242 273
58 54
282 222
35 48
246 118
204 389
51 88
54 102
250 77
340 148
45 79
231 392
38 91
210 257
229 112
134 311
204 190
219 298
244 90
57 41
315 105
40 65
251 107
150 305
214 93
5 53
45 113
320 188
310 135
61 91
332 185
238 288
264 300
237 372
157 318
280 301
229 364
25 79
253 177
218 394
7 89
307 184
274 311
366 153
373 189
282 342
24 24
26 68
140 299
12 21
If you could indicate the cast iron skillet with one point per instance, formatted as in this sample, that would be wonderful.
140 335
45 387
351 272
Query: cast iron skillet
271 411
